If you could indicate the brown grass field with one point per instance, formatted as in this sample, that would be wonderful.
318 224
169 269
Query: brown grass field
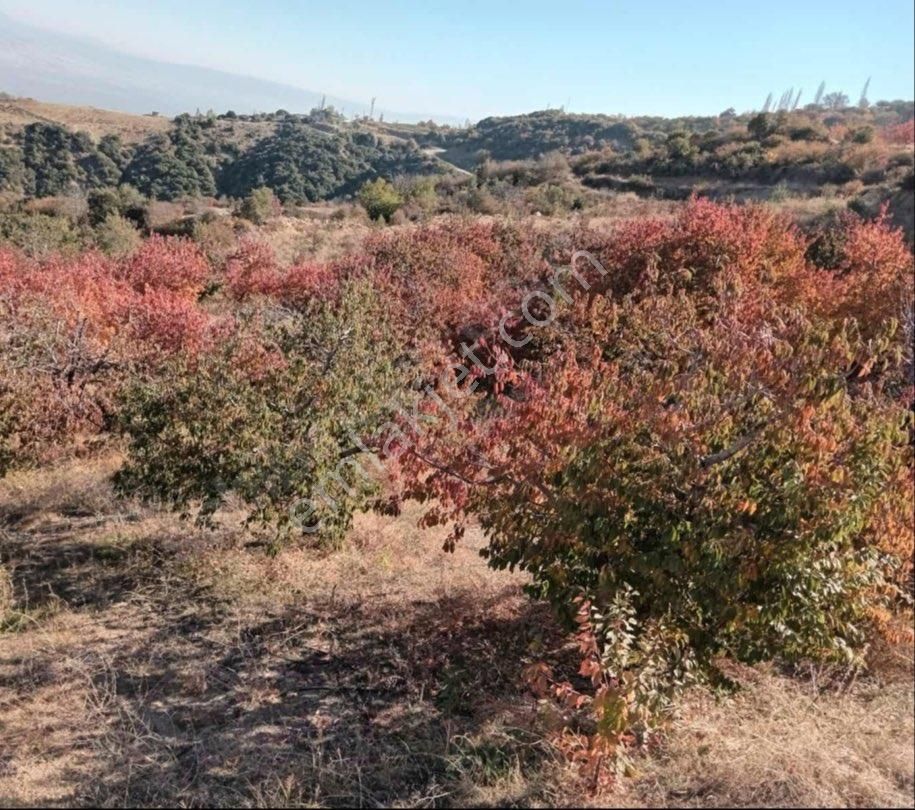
144 662
19 112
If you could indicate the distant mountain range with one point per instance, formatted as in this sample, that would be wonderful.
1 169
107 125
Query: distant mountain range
57 67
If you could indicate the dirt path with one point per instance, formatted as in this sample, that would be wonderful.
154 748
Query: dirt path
436 152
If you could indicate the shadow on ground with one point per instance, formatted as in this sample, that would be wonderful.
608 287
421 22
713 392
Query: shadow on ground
190 700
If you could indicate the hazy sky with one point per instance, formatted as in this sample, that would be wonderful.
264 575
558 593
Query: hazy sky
474 58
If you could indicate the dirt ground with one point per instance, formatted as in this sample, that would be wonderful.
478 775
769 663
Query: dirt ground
146 662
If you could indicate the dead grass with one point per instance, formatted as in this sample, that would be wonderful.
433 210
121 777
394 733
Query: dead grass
76 488
154 664
809 210
781 743
315 237
615 207
131 128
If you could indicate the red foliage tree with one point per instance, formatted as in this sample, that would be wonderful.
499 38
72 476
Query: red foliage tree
166 263
711 454
77 327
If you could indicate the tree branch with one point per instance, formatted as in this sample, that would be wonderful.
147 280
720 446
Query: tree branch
729 452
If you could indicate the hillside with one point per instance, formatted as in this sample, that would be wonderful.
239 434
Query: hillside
50 149
228 154
16 113
528 420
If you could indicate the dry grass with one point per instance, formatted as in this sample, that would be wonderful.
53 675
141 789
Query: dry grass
149 663
131 128
781 743
315 235
154 664
808 210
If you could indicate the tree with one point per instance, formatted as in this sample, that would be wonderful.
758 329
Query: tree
48 154
380 199
103 202
260 205
835 101
75 328
58 161
117 236
13 174
123 201
301 163
271 415
705 452
761 126
170 166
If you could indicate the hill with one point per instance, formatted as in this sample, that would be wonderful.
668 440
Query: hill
50 149
17 113
546 161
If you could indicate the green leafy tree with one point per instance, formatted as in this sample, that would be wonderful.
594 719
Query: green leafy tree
270 417
13 173
260 205
59 161
302 163
835 101
39 234
103 203
380 199
172 166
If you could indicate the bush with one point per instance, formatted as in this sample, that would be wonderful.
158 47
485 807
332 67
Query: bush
103 203
117 236
216 238
167 263
761 126
380 199
268 416
260 205
707 453
552 199
419 193
40 234
903 133
74 329
482 201
807 133
863 135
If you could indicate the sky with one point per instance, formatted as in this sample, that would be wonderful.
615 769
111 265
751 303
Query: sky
472 58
